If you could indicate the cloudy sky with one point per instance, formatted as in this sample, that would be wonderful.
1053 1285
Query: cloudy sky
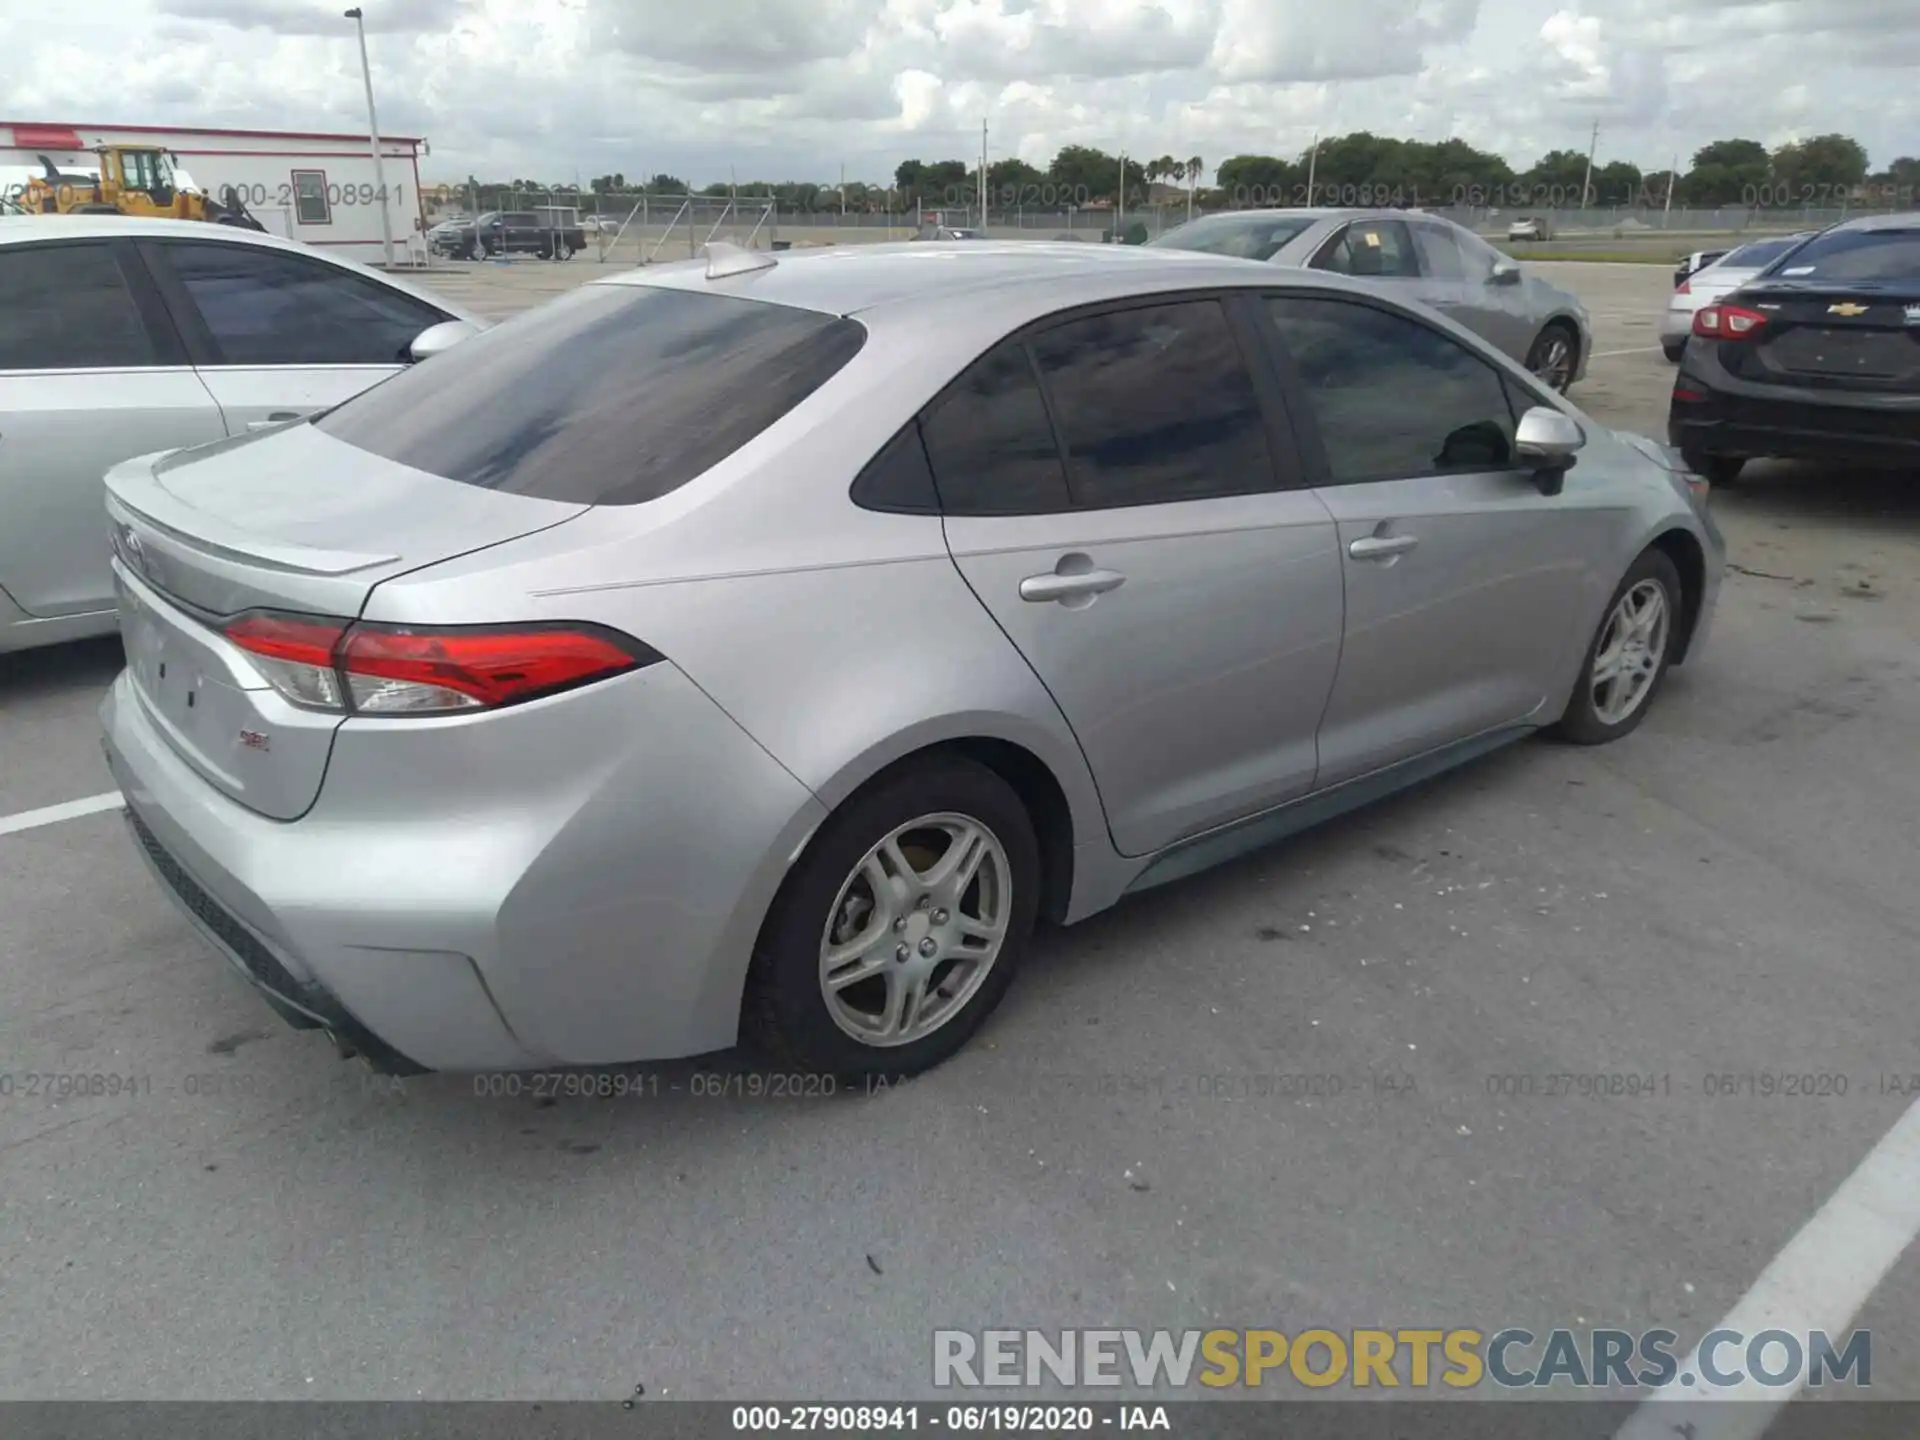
796 89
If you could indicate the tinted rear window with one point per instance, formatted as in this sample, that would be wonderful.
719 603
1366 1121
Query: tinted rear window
1854 255
610 395
1245 237
1760 252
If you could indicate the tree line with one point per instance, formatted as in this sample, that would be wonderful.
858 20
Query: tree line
1360 168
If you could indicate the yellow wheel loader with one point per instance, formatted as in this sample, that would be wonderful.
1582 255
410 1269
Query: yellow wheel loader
134 180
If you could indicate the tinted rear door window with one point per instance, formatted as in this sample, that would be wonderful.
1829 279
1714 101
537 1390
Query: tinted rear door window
990 443
273 307
1155 404
610 395
67 307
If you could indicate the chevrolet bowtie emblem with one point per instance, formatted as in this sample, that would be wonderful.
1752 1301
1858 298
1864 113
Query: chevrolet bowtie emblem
1846 307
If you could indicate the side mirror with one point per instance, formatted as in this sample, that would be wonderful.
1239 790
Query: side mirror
1504 272
1549 440
444 336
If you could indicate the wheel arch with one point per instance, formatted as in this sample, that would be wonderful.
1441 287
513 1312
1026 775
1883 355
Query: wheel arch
1689 557
1055 788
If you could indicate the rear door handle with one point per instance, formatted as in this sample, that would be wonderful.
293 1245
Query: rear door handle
1053 586
278 417
1381 547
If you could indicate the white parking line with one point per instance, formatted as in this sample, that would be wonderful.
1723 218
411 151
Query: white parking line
1636 350
54 814
1819 1282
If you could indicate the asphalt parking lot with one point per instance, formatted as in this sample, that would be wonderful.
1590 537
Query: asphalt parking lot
1728 892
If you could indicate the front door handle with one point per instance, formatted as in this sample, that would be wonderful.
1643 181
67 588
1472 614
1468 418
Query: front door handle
278 417
1054 586
1381 547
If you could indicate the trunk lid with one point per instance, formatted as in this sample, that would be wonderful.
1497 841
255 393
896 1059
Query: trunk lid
289 520
1860 337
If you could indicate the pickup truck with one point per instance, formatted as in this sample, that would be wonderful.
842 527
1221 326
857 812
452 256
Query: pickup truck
552 233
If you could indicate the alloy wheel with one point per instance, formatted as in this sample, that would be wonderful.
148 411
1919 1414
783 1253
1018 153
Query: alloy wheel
1632 647
915 929
1555 365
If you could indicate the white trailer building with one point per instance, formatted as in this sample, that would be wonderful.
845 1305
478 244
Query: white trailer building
311 186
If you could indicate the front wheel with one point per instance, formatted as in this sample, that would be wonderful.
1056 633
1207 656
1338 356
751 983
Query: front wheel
1628 657
1553 356
900 929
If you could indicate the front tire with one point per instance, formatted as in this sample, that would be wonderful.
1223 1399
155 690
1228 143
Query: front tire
1628 656
1673 349
900 929
1555 355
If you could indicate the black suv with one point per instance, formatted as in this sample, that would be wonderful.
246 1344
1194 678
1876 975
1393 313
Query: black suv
552 233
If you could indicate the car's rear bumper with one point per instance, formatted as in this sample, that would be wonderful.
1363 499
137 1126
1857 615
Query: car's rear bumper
561 902
1793 430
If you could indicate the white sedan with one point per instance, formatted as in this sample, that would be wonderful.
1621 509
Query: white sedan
1715 282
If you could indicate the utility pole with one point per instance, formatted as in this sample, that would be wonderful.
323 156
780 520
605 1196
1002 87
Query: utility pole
1667 210
1586 185
373 130
983 178
1120 199
843 193
1313 163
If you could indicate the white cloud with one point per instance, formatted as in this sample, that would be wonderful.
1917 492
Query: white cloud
778 88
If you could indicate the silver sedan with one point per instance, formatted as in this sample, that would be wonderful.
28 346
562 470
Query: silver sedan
123 336
764 647
1425 257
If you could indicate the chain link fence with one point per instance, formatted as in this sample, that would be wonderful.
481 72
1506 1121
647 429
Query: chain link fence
637 228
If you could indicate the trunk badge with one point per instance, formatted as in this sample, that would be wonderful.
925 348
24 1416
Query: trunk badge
1913 314
1848 308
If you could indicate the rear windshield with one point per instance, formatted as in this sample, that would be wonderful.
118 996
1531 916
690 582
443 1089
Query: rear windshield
1760 252
1245 237
1854 255
610 395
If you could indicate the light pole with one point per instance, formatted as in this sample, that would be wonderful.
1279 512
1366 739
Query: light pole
373 127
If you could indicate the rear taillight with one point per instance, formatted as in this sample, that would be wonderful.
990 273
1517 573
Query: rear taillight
1685 287
1726 322
367 669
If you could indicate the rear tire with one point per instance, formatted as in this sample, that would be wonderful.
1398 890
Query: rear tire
1721 470
1628 656
917 945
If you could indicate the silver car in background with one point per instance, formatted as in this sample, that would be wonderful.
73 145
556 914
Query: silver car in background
122 336
1716 281
766 646
1426 257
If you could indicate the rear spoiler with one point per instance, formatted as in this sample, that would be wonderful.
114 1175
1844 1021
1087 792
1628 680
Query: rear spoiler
136 500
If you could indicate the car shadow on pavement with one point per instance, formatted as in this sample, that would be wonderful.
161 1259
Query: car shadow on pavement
1781 490
55 669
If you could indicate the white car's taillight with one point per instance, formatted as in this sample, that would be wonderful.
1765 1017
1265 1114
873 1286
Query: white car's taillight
353 668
